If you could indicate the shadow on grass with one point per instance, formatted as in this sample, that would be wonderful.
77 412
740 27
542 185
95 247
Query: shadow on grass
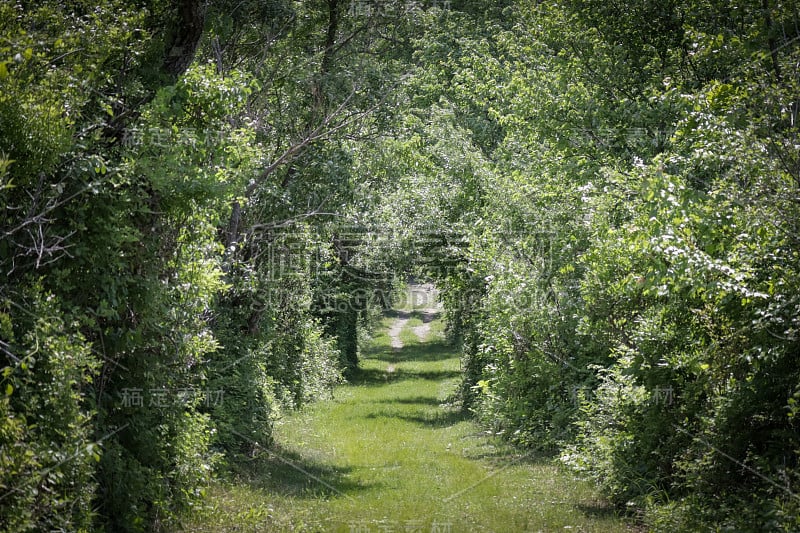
286 472
432 420
501 454
426 352
415 400
601 509
438 419
420 314
373 377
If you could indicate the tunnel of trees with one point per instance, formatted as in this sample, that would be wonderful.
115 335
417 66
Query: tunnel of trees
214 199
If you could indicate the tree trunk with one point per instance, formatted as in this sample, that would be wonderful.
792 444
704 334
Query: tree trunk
187 34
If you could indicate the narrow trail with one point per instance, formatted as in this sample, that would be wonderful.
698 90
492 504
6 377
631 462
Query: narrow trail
397 327
421 331
390 454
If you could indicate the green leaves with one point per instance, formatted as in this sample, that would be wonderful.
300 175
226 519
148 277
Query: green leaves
606 194
648 148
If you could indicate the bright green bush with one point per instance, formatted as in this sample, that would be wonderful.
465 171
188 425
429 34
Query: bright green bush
672 271
48 452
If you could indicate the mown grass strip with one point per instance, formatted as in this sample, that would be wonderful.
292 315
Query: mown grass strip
390 453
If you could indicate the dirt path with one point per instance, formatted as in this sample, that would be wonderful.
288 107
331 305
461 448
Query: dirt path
422 332
394 332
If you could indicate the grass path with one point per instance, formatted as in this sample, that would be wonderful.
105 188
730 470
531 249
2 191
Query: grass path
389 454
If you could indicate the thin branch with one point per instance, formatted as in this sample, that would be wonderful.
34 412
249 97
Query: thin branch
292 221
321 132
4 347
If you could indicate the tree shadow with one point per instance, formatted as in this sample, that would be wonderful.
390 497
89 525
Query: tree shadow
425 316
415 400
286 472
501 454
430 412
374 377
437 419
427 352
604 510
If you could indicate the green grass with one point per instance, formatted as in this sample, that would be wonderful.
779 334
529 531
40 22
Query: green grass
380 340
388 453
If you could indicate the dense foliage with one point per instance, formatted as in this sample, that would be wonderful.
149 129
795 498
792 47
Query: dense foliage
201 207
629 292
166 227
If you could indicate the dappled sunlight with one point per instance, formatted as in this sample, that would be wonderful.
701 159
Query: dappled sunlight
231 233
294 474
391 451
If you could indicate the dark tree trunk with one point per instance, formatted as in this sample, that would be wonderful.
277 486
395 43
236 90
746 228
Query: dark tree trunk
188 31
773 45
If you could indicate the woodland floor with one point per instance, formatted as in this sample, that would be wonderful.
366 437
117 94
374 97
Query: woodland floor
389 453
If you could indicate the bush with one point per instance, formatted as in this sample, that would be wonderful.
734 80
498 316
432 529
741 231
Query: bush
48 453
